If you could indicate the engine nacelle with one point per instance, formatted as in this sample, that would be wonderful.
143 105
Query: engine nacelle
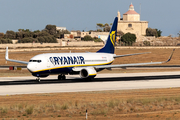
88 72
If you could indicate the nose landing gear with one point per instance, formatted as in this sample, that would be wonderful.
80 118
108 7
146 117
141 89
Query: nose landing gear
38 79
61 77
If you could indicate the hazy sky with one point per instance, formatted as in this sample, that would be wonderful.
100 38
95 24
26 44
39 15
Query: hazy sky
84 14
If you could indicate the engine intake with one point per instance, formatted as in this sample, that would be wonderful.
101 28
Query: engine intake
89 72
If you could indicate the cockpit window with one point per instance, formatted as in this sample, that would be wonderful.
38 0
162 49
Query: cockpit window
35 61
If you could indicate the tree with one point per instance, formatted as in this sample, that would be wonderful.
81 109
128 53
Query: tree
97 39
88 38
107 28
24 33
41 39
153 32
27 34
36 33
100 26
1 35
111 24
5 41
128 38
19 35
28 40
99 30
10 34
54 40
42 33
159 32
51 29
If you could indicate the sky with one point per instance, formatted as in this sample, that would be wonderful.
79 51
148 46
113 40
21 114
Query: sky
85 14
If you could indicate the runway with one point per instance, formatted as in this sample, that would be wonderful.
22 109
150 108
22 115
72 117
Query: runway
113 81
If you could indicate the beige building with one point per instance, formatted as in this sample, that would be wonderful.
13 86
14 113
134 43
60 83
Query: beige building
94 34
60 28
131 22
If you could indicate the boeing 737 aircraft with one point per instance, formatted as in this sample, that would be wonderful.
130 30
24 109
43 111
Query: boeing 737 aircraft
85 64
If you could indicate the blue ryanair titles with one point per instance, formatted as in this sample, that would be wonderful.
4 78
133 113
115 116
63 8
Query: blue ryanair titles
67 60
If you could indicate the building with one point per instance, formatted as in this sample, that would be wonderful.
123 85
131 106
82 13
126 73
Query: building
131 23
60 28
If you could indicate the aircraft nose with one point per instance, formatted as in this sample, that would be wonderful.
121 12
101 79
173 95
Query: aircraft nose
30 67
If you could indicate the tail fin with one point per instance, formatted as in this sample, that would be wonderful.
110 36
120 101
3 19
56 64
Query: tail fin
110 43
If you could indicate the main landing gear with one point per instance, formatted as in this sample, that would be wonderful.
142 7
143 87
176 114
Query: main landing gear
61 77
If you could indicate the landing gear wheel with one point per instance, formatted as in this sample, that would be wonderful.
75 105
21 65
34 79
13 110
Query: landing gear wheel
38 79
61 77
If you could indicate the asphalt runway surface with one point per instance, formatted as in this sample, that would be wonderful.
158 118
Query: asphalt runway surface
113 81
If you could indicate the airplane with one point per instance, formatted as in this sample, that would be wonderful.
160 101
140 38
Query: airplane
85 64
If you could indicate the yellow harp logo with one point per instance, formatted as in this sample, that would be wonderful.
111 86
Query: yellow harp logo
112 37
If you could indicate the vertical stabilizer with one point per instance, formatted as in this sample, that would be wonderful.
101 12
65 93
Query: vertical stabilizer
110 43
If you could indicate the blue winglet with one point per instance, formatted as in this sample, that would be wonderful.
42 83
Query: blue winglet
170 56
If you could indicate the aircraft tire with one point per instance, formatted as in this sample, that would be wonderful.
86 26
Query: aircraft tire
59 77
63 77
38 79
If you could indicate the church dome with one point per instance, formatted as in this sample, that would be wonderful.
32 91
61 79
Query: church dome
131 10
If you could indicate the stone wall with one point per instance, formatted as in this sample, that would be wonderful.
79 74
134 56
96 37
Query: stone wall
84 43
145 38
160 41
62 43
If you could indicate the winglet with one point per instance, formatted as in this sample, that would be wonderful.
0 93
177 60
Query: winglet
18 61
170 56
6 56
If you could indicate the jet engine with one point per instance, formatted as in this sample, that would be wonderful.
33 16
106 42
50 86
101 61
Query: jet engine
88 72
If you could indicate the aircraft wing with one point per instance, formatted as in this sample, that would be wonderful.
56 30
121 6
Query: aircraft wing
132 64
130 54
18 61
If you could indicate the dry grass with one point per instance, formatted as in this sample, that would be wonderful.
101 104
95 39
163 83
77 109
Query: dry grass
124 104
14 73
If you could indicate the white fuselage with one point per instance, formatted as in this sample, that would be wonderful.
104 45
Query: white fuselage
56 61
